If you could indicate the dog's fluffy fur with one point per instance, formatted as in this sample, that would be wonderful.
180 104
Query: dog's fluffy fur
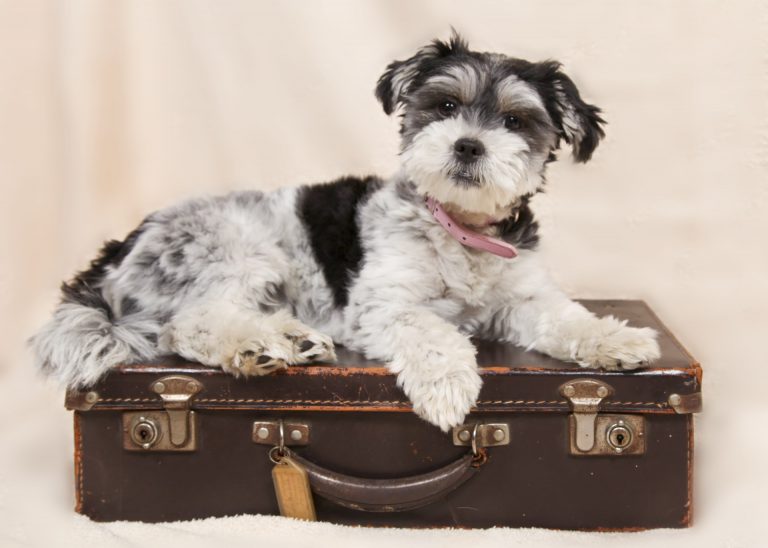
253 282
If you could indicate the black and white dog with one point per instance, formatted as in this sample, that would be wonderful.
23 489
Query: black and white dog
403 269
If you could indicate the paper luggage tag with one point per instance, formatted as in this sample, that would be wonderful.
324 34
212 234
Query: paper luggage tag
294 495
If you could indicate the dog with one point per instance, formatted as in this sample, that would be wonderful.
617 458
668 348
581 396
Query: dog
404 269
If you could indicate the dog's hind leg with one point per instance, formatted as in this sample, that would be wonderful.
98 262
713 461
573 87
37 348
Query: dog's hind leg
242 341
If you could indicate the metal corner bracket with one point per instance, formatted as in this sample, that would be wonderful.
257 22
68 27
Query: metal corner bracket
685 404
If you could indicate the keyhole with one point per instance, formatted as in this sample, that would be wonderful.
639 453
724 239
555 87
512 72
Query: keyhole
145 432
619 436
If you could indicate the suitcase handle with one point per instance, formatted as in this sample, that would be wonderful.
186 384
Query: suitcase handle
390 495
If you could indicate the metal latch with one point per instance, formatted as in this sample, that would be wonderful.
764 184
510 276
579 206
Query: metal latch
174 428
592 433
480 435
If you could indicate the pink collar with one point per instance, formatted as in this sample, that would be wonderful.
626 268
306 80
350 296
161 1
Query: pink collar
467 237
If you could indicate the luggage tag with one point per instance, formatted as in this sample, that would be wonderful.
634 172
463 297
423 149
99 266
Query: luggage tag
292 489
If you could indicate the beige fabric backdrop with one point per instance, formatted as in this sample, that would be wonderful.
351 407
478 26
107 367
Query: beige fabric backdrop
109 110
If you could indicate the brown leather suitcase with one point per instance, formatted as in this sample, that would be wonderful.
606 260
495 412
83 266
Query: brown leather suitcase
548 445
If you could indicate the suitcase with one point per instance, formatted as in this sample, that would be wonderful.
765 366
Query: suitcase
549 444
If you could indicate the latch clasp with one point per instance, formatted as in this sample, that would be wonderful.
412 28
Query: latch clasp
593 433
174 428
176 392
585 397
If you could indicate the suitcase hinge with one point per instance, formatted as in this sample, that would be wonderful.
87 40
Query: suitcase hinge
280 433
479 435
174 428
592 433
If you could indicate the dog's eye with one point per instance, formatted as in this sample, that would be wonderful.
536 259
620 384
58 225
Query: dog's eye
447 108
512 122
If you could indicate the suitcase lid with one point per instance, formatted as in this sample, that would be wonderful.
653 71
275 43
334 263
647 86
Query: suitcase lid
513 380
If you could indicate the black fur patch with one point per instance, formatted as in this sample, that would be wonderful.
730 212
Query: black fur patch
329 214
84 288
521 229
547 78
424 62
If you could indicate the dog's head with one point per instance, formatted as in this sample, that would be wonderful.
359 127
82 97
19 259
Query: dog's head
478 128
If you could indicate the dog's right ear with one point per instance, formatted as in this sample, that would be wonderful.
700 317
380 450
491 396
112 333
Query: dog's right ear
394 85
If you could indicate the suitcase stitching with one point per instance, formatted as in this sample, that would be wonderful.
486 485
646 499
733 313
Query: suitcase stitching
378 402
81 460
689 511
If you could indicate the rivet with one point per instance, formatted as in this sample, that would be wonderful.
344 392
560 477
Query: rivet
92 397
498 434
159 387
295 435
569 390
191 386
262 433
675 400
602 391
464 435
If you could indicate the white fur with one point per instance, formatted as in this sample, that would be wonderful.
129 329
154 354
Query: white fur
419 296
505 172
417 300
225 334
80 344
233 281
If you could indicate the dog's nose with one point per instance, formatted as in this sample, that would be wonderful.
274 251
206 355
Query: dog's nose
468 150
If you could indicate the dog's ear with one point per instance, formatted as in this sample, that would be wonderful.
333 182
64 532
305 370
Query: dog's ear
580 123
394 85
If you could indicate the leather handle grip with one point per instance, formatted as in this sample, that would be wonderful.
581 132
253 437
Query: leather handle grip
387 495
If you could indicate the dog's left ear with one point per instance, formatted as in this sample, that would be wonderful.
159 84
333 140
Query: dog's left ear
394 85
580 123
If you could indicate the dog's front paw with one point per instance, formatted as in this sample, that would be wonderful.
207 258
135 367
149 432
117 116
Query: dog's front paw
610 344
444 401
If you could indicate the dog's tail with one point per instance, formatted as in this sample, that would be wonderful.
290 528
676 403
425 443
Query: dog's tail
84 339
